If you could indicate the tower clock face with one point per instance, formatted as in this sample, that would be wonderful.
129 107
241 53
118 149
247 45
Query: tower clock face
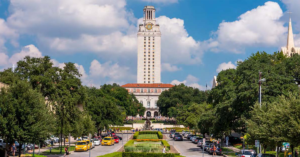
149 26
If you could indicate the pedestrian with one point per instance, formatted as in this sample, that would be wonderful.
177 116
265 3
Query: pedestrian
13 149
296 153
67 151
214 150
164 149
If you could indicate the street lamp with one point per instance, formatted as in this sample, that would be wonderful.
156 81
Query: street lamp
260 81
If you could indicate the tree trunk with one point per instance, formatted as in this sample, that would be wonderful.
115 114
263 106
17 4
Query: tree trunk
265 147
20 146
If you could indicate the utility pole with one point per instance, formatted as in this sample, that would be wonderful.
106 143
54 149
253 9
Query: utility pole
260 81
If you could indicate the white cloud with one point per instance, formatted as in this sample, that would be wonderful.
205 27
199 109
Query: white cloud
7 33
258 27
161 1
225 66
169 67
191 81
178 47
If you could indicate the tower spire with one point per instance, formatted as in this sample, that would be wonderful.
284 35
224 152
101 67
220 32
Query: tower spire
290 40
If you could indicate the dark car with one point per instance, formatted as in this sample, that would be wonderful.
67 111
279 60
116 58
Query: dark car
234 140
197 139
189 136
176 134
120 138
178 138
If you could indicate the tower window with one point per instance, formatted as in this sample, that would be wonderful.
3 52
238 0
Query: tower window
148 81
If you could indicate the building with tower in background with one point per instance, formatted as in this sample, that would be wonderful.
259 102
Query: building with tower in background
290 47
148 86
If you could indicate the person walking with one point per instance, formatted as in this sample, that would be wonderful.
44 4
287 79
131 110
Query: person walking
67 151
214 150
164 149
13 149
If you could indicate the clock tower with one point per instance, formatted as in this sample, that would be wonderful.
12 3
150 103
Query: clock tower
149 49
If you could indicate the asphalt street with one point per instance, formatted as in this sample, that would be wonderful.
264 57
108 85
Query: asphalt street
188 149
102 150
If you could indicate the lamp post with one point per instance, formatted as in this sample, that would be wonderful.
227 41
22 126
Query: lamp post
260 81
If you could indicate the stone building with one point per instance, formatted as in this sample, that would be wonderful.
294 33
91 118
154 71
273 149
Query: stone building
147 94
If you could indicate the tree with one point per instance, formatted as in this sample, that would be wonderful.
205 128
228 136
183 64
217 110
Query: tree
177 97
24 115
103 110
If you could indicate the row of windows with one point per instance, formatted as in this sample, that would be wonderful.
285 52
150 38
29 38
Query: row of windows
149 58
148 72
148 48
148 66
148 38
148 103
148 62
148 55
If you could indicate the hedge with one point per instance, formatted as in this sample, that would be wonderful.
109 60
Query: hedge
114 154
159 134
165 143
146 140
129 143
135 135
132 154
121 128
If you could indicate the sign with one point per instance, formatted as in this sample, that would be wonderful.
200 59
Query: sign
257 143
285 145
203 142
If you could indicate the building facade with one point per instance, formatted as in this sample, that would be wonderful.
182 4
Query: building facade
147 94
149 48
290 47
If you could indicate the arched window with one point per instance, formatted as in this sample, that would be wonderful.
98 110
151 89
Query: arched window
142 90
148 103
148 90
155 90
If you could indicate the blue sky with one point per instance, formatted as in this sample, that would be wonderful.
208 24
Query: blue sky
199 37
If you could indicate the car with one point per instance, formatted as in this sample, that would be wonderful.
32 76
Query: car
96 141
108 141
116 139
248 153
197 139
120 138
265 155
200 142
88 144
186 134
218 150
85 138
193 138
99 138
81 146
207 144
92 142
189 136
178 138
175 134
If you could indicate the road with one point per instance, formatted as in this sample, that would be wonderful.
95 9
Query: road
188 149
102 150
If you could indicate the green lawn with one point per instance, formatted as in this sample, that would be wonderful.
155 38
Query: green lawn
57 150
147 136
35 155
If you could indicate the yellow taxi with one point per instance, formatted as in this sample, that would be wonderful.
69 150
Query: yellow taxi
89 144
108 141
81 146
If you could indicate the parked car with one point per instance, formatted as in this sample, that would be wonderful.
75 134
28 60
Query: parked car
96 141
175 134
218 150
116 139
92 142
265 155
193 138
248 153
81 146
186 134
108 141
189 136
120 138
178 138
200 143
197 139
89 145
207 145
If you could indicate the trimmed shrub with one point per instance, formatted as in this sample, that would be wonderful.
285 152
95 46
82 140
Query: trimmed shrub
165 143
135 135
131 154
121 128
148 132
114 154
129 143
146 140
160 135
